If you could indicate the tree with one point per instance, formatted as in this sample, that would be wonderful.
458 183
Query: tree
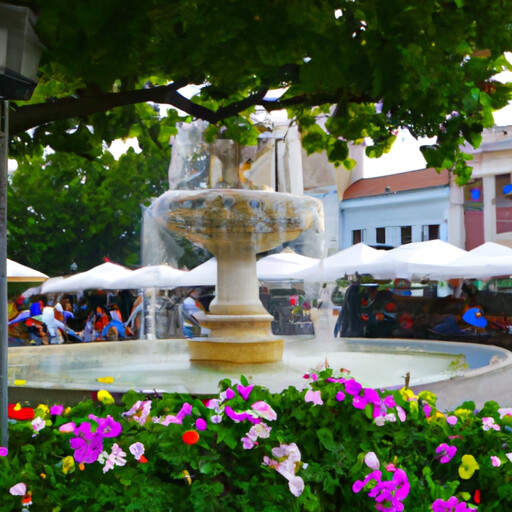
350 70
65 208
361 67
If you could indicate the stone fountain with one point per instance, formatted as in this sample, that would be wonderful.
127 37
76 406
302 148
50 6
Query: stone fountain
235 224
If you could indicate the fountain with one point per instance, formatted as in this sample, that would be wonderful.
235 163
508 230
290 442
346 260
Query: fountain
236 225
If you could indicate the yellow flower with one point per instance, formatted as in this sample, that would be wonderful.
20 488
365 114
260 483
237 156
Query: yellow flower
468 467
435 415
68 464
42 410
105 380
428 396
20 382
105 397
407 394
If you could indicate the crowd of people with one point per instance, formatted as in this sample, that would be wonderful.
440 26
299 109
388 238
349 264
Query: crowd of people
95 316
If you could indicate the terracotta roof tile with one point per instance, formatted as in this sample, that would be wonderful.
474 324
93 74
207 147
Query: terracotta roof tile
413 180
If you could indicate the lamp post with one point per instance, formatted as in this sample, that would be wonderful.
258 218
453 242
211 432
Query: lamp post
20 51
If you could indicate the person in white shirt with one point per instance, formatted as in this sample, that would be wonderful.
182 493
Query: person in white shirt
53 325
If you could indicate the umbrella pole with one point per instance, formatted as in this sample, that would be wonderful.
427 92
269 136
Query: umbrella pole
4 338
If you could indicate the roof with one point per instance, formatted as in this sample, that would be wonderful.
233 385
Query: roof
412 180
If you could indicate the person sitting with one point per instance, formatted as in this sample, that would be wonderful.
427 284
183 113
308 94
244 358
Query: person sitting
114 330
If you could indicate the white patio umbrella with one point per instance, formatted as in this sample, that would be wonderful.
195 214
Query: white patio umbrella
18 273
282 266
203 275
345 262
100 277
415 261
151 276
484 262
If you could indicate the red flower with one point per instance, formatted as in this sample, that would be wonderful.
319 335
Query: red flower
390 307
190 437
20 413
477 497
142 459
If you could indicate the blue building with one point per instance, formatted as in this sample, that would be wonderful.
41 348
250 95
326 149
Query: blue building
392 210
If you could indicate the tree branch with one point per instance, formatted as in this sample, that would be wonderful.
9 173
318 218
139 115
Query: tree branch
29 116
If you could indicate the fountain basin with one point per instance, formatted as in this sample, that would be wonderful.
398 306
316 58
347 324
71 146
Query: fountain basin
68 373
235 225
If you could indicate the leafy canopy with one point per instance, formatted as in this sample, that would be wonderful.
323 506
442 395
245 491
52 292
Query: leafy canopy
351 69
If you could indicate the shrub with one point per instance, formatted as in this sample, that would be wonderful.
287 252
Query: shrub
332 446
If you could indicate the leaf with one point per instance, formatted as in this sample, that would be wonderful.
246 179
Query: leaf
326 439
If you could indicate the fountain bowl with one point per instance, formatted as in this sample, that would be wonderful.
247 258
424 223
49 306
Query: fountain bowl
455 371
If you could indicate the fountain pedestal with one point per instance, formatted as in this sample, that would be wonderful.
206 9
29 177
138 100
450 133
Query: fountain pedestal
235 225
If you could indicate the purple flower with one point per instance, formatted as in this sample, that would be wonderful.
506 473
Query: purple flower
186 410
359 402
201 424
340 396
352 387
107 427
87 445
56 410
229 393
235 416
450 505
447 452
244 391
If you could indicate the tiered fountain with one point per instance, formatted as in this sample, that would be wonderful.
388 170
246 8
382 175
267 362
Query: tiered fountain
235 225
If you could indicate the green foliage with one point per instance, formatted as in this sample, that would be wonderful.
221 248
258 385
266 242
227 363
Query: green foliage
351 70
334 424
66 208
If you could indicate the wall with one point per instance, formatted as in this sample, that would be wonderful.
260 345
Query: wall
416 208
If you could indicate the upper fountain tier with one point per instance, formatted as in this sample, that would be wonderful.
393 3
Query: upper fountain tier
251 221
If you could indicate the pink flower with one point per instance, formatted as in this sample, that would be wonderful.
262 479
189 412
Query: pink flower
372 461
446 452
139 412
244 391
314 396
3 451
38 424
116 458
287 464
201 424
20 489
352 387
495 461
67 428
488 424
340 396
137 450
263 410
228 394
56 410
248 443
359 402
452 420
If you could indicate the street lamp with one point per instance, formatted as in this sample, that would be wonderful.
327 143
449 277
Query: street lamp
20 51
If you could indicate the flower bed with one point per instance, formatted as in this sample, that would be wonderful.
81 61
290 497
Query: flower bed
334 446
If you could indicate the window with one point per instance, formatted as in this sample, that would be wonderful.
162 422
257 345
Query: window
405 235
380 235
358 236
430 232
